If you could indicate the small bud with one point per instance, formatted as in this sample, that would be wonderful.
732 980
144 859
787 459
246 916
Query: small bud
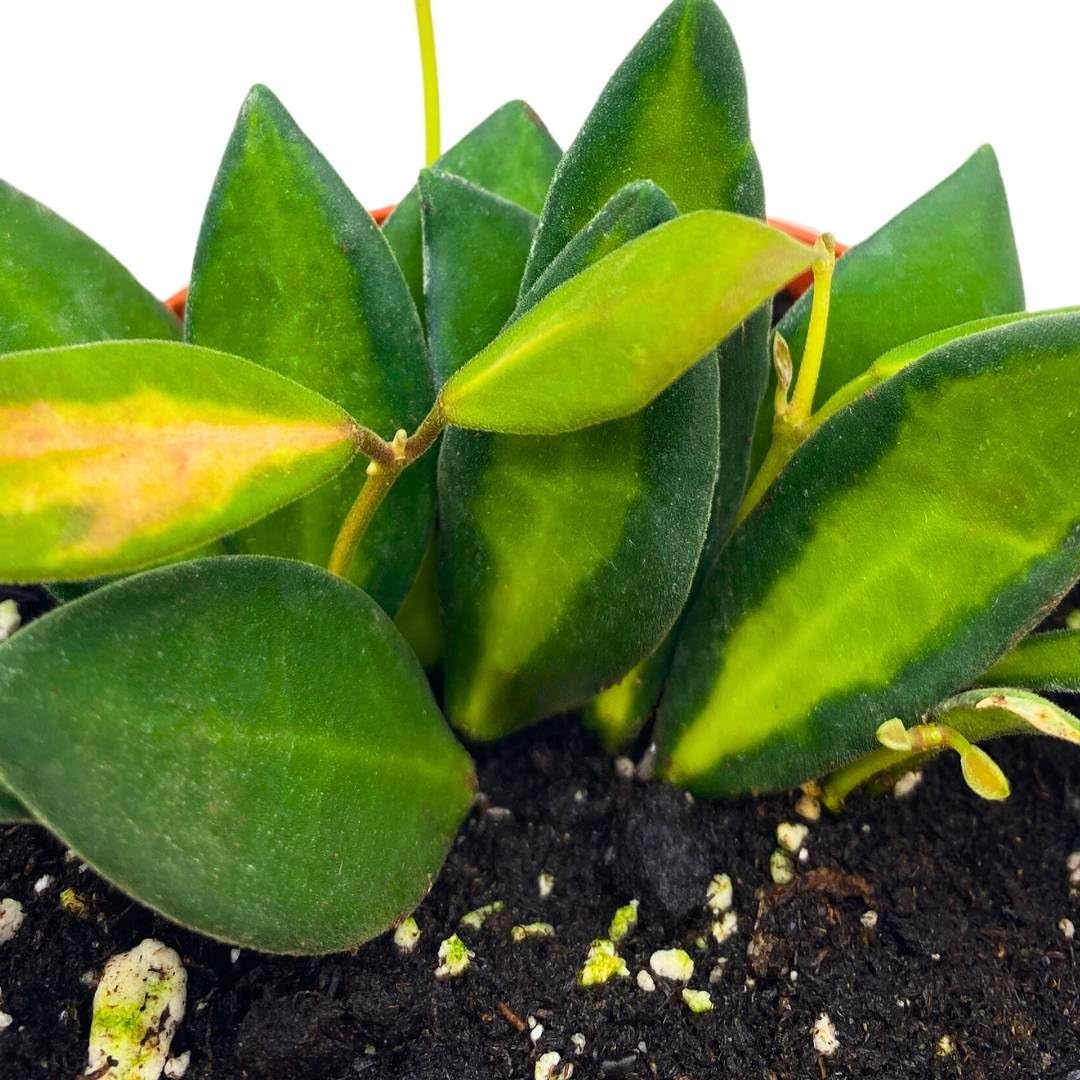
893 735
697 1001
673 964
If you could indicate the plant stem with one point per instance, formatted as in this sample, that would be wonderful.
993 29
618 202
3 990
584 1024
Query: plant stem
840 784
802 401
792 419
389 460
426 33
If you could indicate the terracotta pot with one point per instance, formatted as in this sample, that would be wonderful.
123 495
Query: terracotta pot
796 288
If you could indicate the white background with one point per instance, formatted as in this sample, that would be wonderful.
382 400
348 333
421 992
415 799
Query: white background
116 113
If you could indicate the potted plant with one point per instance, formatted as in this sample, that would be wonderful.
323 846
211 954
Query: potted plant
526 486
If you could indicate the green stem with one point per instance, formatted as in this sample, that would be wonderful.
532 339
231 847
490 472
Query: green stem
792 419
390 460
840 784
426 33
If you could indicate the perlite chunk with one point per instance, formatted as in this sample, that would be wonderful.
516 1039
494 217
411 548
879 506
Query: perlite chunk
697 1001
623 921
407 936
673 964
138 1006
602 963
474 920
454 957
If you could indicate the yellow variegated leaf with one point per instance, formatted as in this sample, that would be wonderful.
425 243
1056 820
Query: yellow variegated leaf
119 454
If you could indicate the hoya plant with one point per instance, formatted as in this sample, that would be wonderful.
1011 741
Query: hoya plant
534 442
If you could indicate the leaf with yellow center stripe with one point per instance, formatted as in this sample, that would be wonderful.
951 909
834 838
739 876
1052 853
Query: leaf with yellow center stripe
911 540
117 455
291 272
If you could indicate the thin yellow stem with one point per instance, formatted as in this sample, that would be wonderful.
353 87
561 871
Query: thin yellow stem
802 401
393 458
426 33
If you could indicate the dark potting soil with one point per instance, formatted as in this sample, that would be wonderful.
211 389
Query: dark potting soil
965 972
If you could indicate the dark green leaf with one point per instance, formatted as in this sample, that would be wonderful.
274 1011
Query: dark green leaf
566 559
475 247
291 272
947 259
909 542
510 154
244 744
674 113
57 287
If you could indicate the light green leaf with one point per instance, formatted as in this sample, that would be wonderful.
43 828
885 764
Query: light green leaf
606 342
510 154
57 287
291 272
1049 661
911 540
245 744
565 559
120 454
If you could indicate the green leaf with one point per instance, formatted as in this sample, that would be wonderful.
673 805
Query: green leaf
947 259
603 344
120 454
509 154
566 559
617 715
908 543
57 287
895 360
1049 661
475 247
12 812
245 744
674 113
291 272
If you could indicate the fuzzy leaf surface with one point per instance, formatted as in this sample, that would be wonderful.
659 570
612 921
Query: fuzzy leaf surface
948 258
58 287
565 559
1048 661
475 247
291 272
909 543
120 454
510 154
245 744
603 344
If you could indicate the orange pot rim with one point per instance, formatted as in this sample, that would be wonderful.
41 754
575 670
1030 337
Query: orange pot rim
177 302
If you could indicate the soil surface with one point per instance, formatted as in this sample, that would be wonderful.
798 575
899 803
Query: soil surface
965 944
